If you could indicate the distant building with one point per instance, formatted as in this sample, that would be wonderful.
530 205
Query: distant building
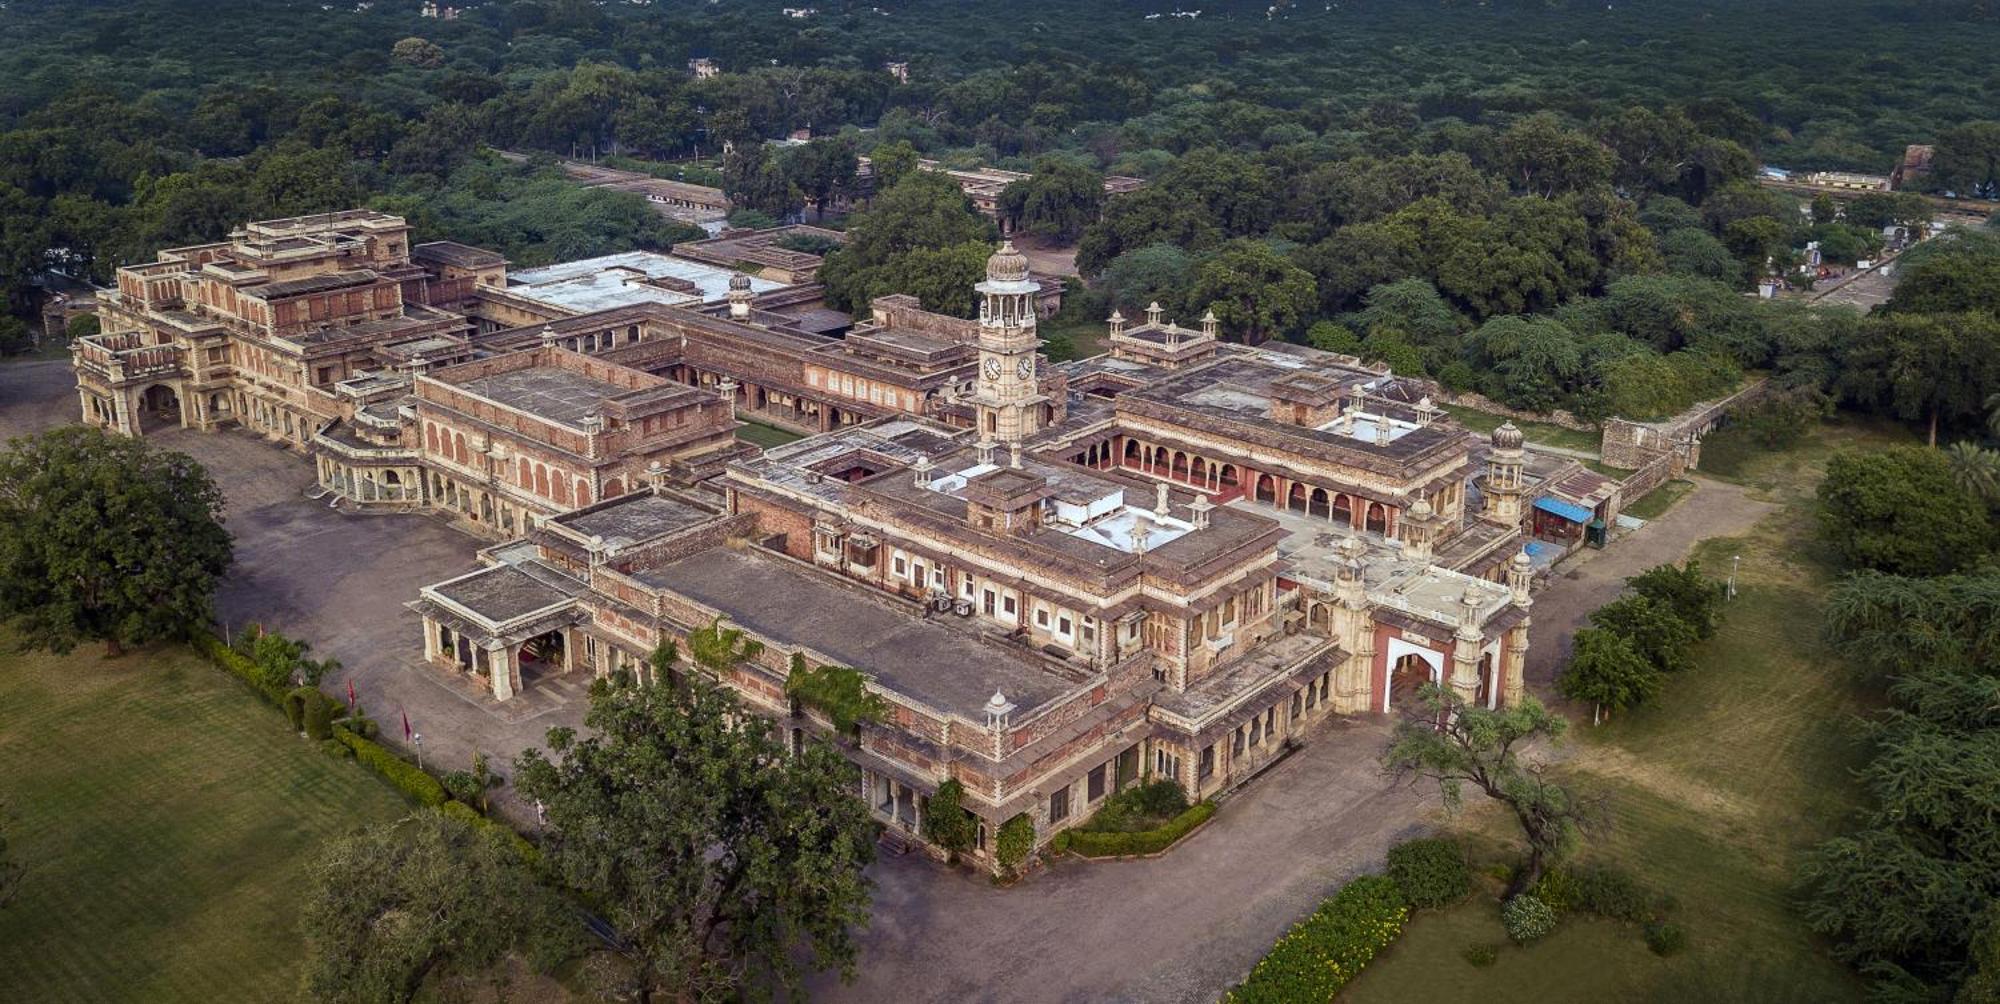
703 68
1847 181
901 71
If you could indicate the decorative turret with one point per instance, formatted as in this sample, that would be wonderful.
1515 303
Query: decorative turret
1211 325
1154 314
1418 530
1503 476
739 297
1117 322
1520 576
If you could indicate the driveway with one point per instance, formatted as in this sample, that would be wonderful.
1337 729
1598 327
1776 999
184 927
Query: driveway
1182 927
1593 578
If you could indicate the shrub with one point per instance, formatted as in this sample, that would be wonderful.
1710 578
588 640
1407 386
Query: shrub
1527 918
239 666
295 709
1481 955
1015 840
336 749
401 773
319 712
1099 844
463 786
1321 953
1665 938
1431 872
1160 798
946 823
1606 892
470 816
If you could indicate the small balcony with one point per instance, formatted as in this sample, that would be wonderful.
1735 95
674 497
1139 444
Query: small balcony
121 356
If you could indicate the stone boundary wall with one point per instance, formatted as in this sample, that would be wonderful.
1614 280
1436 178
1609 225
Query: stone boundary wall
1480 402
1652 475
1632 444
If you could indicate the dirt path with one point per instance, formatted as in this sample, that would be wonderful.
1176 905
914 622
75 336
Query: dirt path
1588 581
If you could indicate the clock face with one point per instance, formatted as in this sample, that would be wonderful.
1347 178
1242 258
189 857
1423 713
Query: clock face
1025 368
992 368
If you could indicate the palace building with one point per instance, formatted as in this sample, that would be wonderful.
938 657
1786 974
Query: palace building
1175 559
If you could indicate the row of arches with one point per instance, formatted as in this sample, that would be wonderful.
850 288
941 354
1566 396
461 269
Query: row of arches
1412 671
1226 480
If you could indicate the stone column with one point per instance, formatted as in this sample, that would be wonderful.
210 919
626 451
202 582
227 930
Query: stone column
1513 659
500 670
569 650
430 640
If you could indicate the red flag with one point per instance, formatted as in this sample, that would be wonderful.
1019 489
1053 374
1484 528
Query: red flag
350 694
406 726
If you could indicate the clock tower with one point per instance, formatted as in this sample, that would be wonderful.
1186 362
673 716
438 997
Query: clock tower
1007 389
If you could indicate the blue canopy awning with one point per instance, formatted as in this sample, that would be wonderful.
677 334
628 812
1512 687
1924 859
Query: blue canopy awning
1569 511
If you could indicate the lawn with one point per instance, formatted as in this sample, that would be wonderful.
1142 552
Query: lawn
1655 503
1714 789
164 817
1586 441
763 435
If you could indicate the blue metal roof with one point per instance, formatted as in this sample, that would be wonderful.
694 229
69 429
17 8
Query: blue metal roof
1568 511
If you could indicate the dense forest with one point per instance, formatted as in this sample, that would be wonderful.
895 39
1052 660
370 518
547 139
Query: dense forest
1547 202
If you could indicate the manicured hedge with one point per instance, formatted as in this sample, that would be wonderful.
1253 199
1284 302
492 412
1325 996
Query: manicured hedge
1321 953
245 670
400 772
1431 871
461 811
1093 844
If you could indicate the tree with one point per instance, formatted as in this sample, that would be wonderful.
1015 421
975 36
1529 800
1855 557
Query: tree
1413 307
1898 510
1933 367
946 823
1156 273
1975 470
1057 201
725 864
1532 362
1967 160
1695 599
1655 630
1607 670
822 169
1955 273
923 212
1455 744
1697 253
752 180
419 52
1253 290
429 904
892 162
104 538
841 693
1544 158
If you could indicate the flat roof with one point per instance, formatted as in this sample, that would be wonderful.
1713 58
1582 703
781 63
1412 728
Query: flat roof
616 280
633 518
504 592
550 392
937 661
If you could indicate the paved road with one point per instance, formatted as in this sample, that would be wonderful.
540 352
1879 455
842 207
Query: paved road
1714 509
1177 928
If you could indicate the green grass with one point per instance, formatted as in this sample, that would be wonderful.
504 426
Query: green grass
765 436
1714 790
164 816
1587 441
1655 503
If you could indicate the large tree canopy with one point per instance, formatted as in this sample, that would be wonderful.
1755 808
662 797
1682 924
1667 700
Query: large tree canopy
726 863
106 539
1899 510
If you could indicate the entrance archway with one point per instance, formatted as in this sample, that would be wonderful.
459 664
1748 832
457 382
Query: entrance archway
159 406
1408 675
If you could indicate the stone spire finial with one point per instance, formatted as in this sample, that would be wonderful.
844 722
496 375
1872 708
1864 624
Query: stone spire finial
1210 324
923 471
1160 500
1014 454
548 336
